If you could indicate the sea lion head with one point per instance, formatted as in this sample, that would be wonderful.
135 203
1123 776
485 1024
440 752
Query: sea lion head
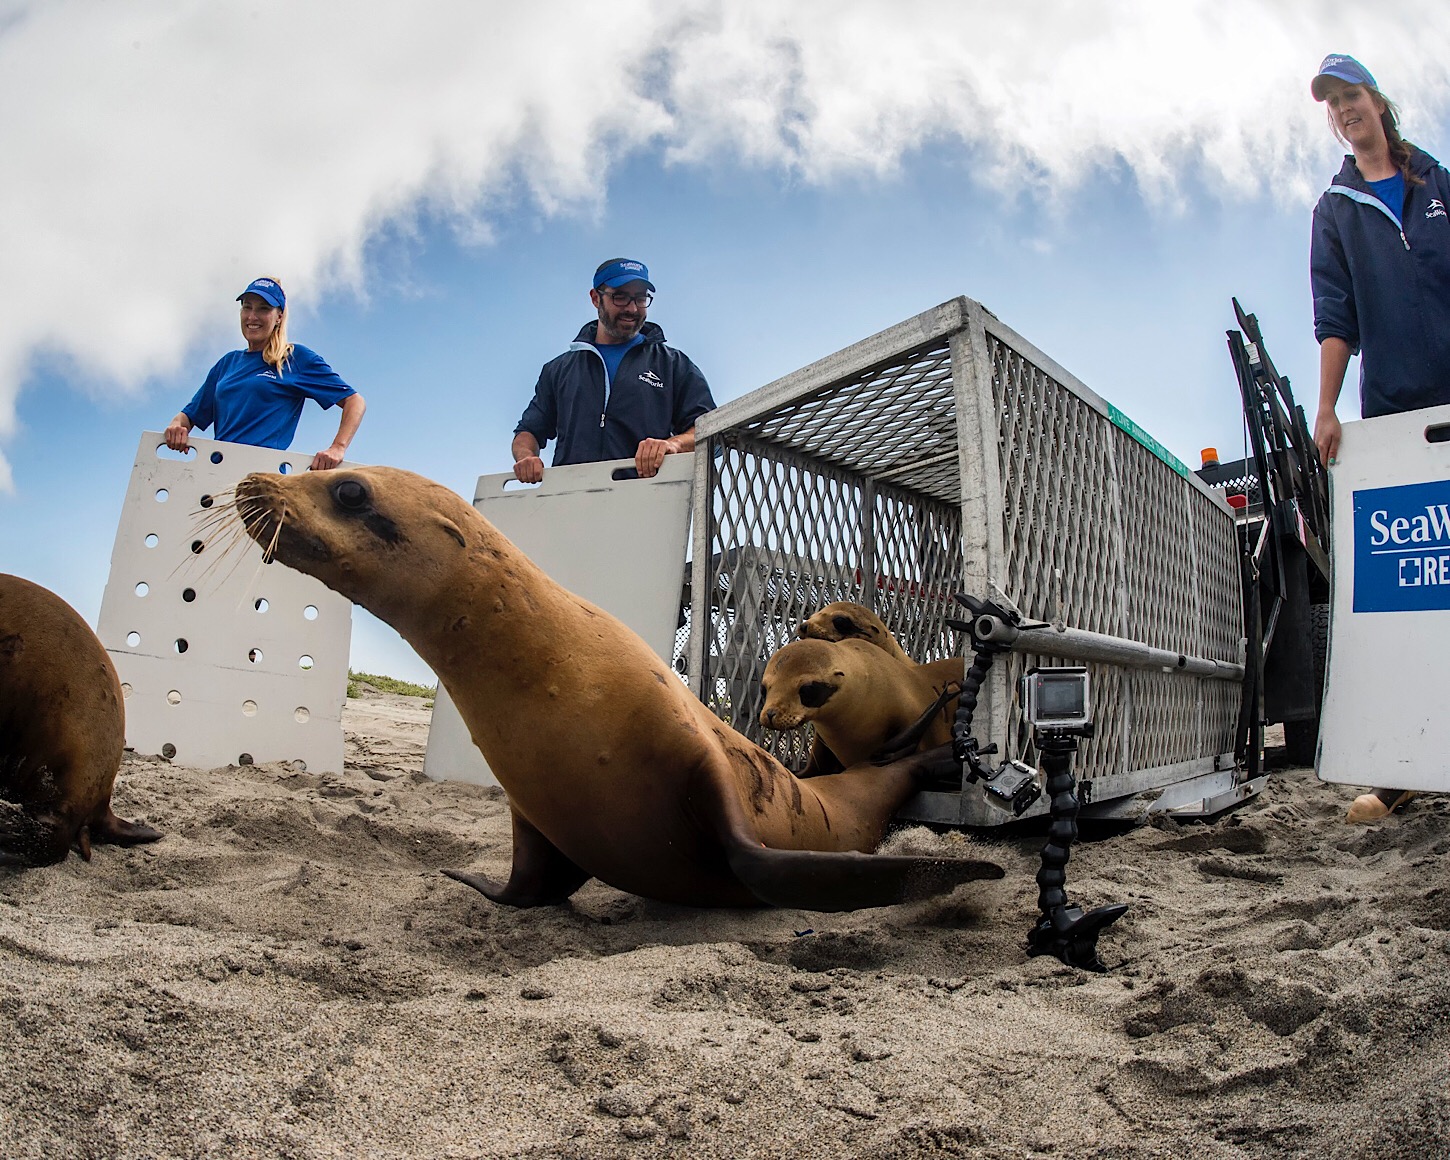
385 538
799 680
845 620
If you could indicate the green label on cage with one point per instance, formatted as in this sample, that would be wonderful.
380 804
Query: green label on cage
1123 423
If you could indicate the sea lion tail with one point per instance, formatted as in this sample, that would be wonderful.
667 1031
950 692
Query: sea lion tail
829 880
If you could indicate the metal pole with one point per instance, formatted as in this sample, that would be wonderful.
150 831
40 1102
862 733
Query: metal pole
1078 644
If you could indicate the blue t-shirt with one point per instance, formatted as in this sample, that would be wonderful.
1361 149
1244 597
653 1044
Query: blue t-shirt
251 402
1391 191
613 353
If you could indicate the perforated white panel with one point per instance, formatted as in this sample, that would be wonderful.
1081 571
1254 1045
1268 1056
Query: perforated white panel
223 660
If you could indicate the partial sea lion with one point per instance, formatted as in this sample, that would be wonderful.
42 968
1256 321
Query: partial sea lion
859 698
62 731
613 769
846 620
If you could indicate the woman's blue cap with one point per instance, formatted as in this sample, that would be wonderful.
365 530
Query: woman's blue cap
268 289
1344 68
623 271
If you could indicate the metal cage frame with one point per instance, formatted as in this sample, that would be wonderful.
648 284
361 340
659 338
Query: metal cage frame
949 454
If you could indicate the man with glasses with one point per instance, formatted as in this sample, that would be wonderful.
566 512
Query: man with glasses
618 392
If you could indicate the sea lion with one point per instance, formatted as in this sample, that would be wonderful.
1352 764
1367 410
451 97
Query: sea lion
62 730
846 620
859 698
613 769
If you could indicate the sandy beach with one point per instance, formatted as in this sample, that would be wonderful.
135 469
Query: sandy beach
287 974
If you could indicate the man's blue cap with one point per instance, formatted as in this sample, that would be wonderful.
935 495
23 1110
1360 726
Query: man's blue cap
268 289
1344 68
621 272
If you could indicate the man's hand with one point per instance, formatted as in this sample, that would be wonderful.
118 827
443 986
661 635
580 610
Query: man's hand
650 455
328 459
529 469
177 433
1327 430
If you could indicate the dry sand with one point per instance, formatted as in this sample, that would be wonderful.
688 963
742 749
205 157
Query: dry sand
288 974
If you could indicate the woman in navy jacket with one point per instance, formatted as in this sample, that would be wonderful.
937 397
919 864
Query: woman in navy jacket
1380 268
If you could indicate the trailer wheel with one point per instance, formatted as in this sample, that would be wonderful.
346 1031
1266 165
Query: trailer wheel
1302 737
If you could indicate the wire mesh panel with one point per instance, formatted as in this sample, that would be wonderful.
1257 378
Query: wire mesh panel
948 454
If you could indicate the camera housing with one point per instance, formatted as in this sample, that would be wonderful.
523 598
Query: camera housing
1057 698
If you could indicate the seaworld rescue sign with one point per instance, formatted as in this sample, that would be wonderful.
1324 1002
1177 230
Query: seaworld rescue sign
1402 548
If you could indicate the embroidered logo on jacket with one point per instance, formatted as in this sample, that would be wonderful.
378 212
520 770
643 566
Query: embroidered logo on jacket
1437 209
652 379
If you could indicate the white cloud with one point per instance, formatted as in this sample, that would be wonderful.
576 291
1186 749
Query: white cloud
159 154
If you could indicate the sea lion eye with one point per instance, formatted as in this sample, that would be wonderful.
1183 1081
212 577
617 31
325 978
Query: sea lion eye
350 495
814 694
844 625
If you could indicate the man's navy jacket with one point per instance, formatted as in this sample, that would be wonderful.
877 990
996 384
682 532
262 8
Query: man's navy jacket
1382 284
657 392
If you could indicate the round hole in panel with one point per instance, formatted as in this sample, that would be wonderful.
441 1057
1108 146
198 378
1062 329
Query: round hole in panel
216 456
133 639
168 751
255 656
261 605
305 662
188 594
151 540
249 708
206 501
173 697
310 612
301 715
162 495
198 545
285 468
181 646
142 588
299 766
125 688
244 759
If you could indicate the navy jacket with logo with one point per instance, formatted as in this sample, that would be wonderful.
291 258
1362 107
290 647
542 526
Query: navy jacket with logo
657 392
1382 283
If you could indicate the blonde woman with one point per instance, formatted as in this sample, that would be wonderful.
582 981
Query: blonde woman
256 395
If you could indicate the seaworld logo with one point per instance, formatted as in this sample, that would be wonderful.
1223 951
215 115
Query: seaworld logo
1437 209
1402 548
1431 528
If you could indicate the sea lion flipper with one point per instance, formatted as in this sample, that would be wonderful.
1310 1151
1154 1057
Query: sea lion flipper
119 832
818 880
541 874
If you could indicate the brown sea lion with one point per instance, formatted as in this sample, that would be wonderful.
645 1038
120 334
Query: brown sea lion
613 769
846 620
62 730
859 699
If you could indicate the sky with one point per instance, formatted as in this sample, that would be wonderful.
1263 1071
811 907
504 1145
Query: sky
434 184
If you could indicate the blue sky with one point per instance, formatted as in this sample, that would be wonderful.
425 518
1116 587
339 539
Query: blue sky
440 303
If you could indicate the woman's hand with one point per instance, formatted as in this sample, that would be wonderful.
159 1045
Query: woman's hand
1327 430
328 458
177 432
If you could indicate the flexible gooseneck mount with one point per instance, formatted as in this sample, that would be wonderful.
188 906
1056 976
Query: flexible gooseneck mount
1062 930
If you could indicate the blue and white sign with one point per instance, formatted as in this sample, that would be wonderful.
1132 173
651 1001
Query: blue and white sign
1402 548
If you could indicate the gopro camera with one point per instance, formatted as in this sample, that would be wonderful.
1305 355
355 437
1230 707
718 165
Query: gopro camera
1056 698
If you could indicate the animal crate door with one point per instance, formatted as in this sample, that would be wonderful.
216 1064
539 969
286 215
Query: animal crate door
619 544
1384 721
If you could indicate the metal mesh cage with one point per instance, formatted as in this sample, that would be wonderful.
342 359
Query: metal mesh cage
948 454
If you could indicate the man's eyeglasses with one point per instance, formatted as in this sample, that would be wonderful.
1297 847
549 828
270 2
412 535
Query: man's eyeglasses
620 298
